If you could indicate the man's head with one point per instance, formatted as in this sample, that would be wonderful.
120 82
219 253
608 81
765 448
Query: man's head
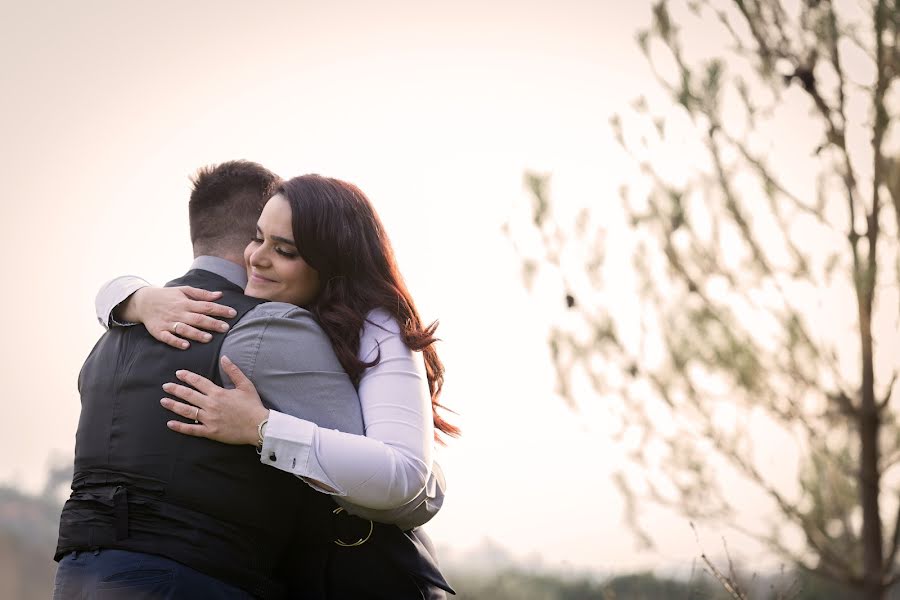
226 201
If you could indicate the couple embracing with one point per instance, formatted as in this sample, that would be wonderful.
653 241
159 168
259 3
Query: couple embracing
264 425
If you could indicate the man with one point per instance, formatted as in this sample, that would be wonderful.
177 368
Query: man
156 514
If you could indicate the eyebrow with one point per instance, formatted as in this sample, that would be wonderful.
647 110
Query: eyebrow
278 238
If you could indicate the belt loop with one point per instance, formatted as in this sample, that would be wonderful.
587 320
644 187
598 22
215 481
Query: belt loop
120 512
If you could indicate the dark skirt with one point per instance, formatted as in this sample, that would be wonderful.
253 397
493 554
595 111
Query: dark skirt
390 565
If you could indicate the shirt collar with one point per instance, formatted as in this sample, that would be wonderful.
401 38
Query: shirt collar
233 272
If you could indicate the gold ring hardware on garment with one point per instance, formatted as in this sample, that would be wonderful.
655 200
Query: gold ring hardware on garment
358 542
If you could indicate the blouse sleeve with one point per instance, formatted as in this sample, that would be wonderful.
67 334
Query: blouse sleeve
111 294
390 465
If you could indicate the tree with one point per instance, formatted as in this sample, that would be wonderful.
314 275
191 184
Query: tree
733 254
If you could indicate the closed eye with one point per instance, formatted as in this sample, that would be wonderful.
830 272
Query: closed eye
258 239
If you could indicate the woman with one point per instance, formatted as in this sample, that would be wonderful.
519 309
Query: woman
320 245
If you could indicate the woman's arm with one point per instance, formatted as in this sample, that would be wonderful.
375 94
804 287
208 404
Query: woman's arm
388 467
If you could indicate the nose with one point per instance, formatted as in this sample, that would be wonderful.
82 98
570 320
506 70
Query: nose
259 257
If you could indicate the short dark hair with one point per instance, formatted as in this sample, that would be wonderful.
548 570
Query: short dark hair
225 204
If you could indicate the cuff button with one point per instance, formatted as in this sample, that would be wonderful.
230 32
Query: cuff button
272 457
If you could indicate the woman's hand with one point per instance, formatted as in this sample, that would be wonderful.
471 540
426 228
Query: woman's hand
229 416
176 314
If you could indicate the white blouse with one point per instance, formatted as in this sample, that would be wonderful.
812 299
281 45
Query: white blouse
391 464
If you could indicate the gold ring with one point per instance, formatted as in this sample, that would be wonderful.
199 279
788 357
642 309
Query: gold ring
358 542
197 415
175 328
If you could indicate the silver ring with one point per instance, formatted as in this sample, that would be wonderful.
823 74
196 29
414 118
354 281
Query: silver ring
175 328
197 415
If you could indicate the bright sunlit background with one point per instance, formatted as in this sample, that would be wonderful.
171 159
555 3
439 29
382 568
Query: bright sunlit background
435 110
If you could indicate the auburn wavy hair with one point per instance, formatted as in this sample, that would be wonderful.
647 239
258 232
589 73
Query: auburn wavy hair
338 233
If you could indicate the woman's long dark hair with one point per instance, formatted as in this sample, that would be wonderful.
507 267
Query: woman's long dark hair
338 233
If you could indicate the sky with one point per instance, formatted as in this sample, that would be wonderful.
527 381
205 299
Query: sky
435 110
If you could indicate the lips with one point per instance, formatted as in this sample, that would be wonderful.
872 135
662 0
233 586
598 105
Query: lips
260 279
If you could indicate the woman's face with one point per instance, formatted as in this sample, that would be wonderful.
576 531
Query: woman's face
275 270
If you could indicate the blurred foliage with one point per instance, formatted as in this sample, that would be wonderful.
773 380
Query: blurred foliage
760 304
29 523
519 584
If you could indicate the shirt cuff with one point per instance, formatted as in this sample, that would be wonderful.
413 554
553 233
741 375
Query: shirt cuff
114 293
287 445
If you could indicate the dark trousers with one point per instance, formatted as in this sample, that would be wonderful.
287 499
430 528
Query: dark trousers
121 575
